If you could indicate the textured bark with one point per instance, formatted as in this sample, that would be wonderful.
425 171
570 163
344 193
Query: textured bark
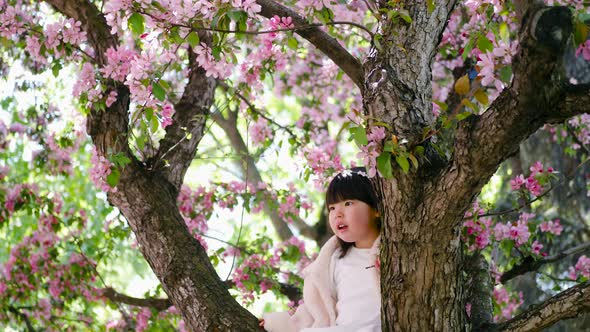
421 257
147 195
478 293
567 304
530 264
181 264
155 303
177 149
420 279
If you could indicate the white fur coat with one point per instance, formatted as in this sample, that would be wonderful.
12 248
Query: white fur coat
319 307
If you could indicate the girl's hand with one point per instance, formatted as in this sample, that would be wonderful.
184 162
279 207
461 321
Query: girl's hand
261 322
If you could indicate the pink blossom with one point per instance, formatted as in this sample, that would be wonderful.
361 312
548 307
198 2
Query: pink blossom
517 182
536 248
101 168
583 266
260 131
537 168
552 226
584 50
167 113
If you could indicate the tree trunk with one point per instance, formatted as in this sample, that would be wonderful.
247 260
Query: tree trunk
149 204
420 279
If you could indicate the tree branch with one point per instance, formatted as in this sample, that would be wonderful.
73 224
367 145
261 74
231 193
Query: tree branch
529 264
328 45
24 317
534 98
249 169
158 304
161 304
177 149
567 304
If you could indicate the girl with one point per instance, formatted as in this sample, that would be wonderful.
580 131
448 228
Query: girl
341 290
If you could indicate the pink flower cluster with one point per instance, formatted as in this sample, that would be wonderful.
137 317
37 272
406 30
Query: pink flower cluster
34 265
508 303
372 150
257 273
13 21
476 231
59 157
18 195
260 131
196 207
118 63
582 268
552 226
517 231
220 69
534 183
581 126
101 168
322 160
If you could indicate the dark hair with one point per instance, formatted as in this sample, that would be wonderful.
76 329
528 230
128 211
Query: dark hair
352 184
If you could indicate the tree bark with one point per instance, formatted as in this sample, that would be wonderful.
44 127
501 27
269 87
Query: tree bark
567 304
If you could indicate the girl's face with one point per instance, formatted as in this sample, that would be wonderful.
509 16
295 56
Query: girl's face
354 221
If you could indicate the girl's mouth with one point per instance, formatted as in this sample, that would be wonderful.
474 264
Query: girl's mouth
342 227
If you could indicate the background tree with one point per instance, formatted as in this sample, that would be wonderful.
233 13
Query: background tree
436 96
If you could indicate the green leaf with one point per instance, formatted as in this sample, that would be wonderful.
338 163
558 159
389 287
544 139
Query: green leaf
580 33
384 165
481 96
462 85
56 68
443 106
360 135
504 32
193 39
419 150
484 44
463 115
402 161
414 161
430 6
506 74
507 246
158 91
467 49
113 177
136 23
292 43
235 15
405 15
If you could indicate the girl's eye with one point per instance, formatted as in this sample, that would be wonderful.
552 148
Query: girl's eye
348 203
330 208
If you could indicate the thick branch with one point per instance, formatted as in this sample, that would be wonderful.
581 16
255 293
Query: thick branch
529 264
328 45
158 304
567 304
534 98
398 76
178 147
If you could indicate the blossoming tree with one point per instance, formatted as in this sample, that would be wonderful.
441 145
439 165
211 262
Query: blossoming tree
436 95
